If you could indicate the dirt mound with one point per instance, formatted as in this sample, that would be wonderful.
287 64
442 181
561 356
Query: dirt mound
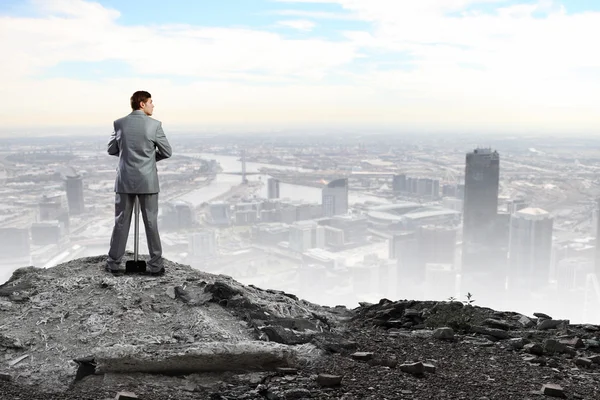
75 319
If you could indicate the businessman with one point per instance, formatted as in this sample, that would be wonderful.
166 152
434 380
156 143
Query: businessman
139 142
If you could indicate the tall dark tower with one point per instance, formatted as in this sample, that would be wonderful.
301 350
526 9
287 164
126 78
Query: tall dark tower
482 176
244 179
597 260
74 187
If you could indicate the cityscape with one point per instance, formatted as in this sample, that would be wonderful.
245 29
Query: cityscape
335 219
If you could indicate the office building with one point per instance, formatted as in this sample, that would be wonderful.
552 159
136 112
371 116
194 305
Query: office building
52 206
480 206
219 213
306 235
270 234
399 183
272 188
178 215
597 256
335 198
74 189
530 248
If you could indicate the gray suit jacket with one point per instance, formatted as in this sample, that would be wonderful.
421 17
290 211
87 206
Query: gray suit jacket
139 142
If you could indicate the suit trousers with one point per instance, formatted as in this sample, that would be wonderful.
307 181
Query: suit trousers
124 205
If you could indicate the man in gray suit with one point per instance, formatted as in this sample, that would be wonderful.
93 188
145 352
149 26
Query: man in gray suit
139 142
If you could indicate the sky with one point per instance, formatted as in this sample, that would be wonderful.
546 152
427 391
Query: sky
497 66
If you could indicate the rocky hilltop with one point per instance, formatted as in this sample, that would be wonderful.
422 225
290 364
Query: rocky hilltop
76 332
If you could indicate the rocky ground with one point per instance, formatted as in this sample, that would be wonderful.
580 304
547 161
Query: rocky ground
192 335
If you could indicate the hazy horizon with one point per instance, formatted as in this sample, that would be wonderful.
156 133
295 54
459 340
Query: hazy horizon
481 66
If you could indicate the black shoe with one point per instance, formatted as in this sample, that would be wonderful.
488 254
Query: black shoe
115 272
160 272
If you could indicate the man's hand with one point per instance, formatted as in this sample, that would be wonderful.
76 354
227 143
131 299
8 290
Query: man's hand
113 145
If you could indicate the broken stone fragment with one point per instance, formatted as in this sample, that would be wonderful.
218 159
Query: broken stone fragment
517 343
526 322
126 396
541 315
429 367
496 323
583 362
327 380
496 333
575 342
417 368
552 390
534 348
362 356
5 377
549 324
552 346
595 358
444 333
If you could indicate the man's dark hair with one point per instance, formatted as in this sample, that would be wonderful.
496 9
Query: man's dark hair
137 97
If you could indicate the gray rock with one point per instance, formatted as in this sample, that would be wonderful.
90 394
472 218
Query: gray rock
534 348
575 342
444 333
583 362
541 315
327 380
362 356
497 333
429 367
126 396
595 358
411 313
497 323
5 377
591 343
417 368
549 324
552 390
526 322
552 346
517 343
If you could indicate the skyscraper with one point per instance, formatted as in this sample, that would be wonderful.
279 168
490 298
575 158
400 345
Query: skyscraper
335 198
482 176
530 249
74 187
273 188
597 260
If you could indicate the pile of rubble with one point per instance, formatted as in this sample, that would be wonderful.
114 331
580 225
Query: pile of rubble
76 332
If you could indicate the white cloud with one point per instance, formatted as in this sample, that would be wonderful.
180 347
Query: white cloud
299 24
529 65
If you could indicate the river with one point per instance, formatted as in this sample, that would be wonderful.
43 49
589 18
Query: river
223 182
